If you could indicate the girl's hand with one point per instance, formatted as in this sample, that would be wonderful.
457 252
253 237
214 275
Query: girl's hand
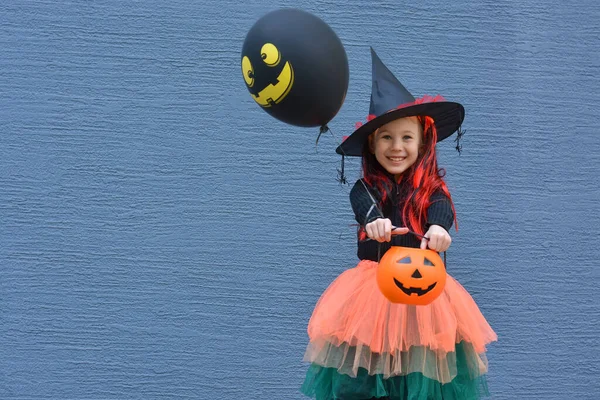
439 239
381 230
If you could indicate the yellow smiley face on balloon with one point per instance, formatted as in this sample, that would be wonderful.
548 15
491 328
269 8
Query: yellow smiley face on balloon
274 92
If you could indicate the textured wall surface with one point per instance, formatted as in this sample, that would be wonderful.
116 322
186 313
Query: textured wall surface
162 237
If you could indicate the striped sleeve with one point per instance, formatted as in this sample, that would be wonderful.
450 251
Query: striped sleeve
440 211
363 204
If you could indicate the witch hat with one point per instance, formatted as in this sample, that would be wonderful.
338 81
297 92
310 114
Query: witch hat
390 100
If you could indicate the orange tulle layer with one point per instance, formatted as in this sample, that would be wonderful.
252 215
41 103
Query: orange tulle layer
353 312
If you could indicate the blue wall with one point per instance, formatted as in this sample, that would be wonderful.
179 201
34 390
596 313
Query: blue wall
162 237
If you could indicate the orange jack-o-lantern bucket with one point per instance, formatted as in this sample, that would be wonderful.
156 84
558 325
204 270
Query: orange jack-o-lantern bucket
411 276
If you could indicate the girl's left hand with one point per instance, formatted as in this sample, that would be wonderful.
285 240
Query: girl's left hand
439 239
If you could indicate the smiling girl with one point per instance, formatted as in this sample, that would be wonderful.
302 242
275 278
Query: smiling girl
362 346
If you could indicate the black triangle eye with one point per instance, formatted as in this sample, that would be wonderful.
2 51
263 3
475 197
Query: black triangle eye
405 260
428 263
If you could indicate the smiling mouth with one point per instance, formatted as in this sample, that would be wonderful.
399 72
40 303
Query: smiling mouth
396 159
273 94
412 290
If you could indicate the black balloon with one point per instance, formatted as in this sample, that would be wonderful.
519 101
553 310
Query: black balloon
295 67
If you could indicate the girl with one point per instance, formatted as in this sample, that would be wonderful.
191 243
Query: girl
362 346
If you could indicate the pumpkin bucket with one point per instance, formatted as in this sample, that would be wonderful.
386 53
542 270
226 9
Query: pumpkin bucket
411 276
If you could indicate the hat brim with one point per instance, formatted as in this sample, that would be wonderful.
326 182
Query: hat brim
447 115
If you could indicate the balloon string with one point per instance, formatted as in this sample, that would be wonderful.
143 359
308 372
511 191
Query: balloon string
322 130
395 227
414 233
341 173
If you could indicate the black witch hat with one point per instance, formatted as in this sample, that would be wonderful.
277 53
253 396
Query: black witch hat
390 100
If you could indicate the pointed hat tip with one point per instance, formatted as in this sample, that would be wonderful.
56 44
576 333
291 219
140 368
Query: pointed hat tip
374 57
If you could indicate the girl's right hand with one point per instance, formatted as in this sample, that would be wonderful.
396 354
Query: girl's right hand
381 230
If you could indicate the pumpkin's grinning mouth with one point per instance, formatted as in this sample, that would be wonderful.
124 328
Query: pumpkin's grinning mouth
413 290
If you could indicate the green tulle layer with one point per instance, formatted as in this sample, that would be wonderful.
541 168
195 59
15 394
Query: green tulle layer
328 384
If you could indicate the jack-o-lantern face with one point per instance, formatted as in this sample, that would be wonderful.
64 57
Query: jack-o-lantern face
274 86
411 276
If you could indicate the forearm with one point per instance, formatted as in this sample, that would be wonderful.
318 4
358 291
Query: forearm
363 204
440 212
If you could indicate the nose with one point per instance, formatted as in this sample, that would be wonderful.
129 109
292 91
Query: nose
416 274
397 144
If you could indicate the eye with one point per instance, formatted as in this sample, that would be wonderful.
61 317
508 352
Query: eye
247 71
427 262
270 54
405 260
407 137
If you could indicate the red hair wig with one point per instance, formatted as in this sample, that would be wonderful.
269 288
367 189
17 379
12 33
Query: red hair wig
423 177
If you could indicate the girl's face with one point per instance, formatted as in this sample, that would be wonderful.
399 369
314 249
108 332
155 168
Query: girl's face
396 144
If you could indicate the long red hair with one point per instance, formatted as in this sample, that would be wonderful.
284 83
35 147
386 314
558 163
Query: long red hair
423 179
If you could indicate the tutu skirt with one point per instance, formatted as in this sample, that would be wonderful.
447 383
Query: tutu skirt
362 346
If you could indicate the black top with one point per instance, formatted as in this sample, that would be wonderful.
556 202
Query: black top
362 200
